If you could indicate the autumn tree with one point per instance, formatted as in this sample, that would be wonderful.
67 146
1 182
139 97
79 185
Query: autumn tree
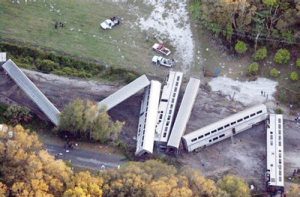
234 186
84 184
86 120
27 169
294 191
3 190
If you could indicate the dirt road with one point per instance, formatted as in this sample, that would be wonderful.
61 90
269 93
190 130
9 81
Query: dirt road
244 155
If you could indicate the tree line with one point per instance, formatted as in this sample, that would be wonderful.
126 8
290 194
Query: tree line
275 21
28 170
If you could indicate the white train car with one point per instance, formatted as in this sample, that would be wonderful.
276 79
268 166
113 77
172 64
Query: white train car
184 113
225 128
275 162
148 119
124 93
167 106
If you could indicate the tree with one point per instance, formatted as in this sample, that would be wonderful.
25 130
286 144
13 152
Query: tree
260 54
298 62
282 56
3 190
240 47
253 68
234 186
270 3
274 73
86 120
17 114
294 76
294 191
26 169
84 184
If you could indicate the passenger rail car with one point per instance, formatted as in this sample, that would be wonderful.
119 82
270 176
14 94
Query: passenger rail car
225 128
275 162
167 106
148 119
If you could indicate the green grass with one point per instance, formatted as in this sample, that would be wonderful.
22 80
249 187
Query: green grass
33 23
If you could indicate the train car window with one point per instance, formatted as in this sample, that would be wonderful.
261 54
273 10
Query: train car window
279 120
233 123
220 128
226 126
178 78
239 120
259 112
213 131
164 100
252 115
174 94
175 89
165 134
246 117
215 138
206 134
209 140
201 136
222 135
194 139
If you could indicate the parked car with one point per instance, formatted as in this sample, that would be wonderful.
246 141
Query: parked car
110 23
160 48
158 60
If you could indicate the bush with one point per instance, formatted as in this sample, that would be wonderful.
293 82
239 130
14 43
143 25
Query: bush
240 47
253 68
17 114
298 63
274 72
294 76
278 111
46 65
260 54
282 56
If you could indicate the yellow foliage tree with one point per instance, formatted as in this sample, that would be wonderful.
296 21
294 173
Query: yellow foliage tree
27 169
294 191
234 186
83 184
3 190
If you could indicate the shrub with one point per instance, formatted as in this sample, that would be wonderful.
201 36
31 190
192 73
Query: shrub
46 65
17 114
282 56
298 63
253 68
278 111
240 47
260 54
274 72
294 76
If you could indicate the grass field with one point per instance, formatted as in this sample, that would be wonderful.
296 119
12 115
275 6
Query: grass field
123 46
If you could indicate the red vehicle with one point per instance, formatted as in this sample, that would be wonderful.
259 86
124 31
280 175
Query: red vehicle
160 48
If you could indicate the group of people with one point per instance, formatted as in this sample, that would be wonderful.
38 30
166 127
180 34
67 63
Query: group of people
59 24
